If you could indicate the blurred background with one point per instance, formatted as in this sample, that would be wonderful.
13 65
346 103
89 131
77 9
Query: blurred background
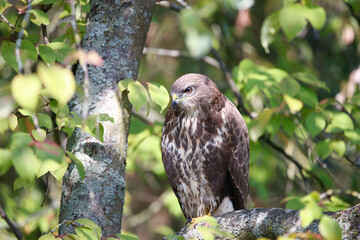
297 70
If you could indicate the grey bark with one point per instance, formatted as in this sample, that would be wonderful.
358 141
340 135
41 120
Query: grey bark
270 223
117 31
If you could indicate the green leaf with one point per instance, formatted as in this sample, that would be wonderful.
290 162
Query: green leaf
25 90
85 233
316 15
307 96
44 121
19 140
61 49
340 122
123 84
289 86
90 224
48 236
105 117
138 95
158 94
30 49
294 203
311 212
13 121
126 237
25 183
56 169
353 136
295 105
25 162
58 81
315 123
292 20
39 17
78 164
47 54
338 146
36 2
39 134
5 163
329 228
311 79
323 148
257 126
8 53
269 29
4 125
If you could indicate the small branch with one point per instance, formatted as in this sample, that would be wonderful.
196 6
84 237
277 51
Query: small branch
11 225
170 5
230 82
298 165
176 53
19 39
44 33
6 21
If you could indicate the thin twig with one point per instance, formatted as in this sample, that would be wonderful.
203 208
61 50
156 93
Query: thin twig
170 5
47 190
19 39
6 21
297 164
177 53
44 33
230 82
11 224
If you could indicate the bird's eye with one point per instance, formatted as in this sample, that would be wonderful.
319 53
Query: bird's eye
188 90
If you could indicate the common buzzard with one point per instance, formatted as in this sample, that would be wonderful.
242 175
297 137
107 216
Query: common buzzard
205 148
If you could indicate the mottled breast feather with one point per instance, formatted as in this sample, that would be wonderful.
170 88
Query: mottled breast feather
206 154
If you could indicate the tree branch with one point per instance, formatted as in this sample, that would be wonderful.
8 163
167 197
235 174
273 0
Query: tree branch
271 223
11 225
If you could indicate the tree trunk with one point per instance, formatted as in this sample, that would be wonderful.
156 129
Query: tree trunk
117 31
271 223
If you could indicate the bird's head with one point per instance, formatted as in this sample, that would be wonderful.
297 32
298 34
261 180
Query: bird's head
190 91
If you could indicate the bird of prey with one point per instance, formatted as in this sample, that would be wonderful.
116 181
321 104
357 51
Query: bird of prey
205 149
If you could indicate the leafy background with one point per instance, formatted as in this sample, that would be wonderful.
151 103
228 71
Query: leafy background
294 63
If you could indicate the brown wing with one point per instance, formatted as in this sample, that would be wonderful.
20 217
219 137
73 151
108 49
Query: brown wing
238 164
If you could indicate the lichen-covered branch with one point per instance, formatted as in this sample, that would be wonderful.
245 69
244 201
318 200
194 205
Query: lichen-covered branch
270 223
116 31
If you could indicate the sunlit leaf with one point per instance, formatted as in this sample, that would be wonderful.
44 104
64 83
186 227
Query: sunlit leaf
329 228
138 95
90 224
353 136
123 84
105 117
23 183
78 164
59 82
322 148
289 86
85 233
158 94
56 169
340 122
311 212
25 90
338 146
315 123
258 126
13 121
48 236
126 237
292 20
61 49
295 105
316 15
39 17
39 134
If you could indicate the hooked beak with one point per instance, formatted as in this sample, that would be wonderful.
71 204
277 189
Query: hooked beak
174 101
